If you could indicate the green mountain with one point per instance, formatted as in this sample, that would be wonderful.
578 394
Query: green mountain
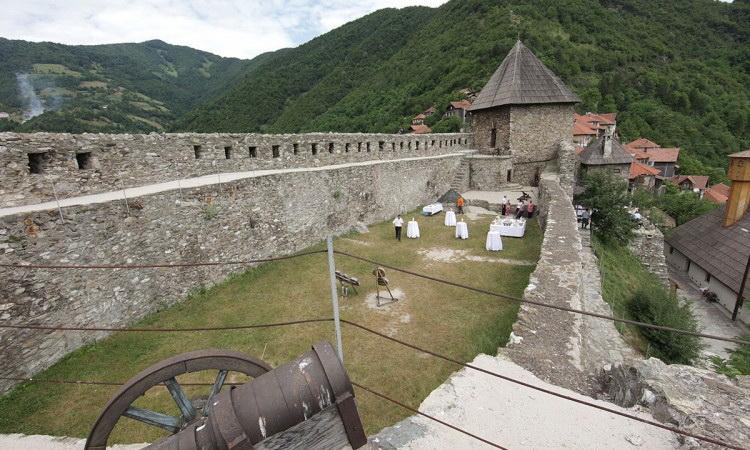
106 88
678 72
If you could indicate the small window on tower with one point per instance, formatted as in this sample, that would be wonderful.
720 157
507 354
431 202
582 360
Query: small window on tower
198 150
84 160
37 161
228 152
275 151
330 147
314 149
295 148
253 151
493 138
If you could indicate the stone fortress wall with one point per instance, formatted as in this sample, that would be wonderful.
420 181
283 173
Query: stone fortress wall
36 167
265 214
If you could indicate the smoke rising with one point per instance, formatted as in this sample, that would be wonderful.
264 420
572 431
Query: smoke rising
32 104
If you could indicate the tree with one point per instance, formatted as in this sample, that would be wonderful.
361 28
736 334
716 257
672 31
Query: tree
607 196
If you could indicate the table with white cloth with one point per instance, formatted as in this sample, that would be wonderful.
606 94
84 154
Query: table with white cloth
432 209
494 241
495 226
512 227
450 219
412 229
462 231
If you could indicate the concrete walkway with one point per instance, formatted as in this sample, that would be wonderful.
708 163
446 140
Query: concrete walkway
517 417
205 180
712 318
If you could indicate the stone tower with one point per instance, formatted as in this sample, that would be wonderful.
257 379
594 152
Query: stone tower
524 111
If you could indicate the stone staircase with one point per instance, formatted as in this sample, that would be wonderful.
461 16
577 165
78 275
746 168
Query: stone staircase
460 182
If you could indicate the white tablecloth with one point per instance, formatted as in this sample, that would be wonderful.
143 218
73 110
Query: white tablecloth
450 219
494 241
412 229
512 227
432 209
462 231
495 227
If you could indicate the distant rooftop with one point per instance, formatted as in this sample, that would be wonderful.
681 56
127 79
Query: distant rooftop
593 154
523 79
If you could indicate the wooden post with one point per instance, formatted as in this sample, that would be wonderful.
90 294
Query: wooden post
59 208
334 298
740 297
125 197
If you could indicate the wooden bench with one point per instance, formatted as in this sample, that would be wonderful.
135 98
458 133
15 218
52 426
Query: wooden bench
347 282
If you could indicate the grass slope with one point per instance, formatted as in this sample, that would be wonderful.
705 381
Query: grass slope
442 318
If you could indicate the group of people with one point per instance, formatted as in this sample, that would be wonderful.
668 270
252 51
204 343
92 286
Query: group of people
524 208
583 215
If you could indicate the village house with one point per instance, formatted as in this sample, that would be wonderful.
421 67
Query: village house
420 129
605 154
714 249
718 193
694 183
642 176
583 134
458 109
650 153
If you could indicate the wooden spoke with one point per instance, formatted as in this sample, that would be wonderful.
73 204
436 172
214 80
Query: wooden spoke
183 402
153 418
220 378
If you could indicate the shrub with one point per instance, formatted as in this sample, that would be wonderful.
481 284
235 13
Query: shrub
654 305
737 364
607 196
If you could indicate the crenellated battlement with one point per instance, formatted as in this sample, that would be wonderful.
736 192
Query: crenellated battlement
35 167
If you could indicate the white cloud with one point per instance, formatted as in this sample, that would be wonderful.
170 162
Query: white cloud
226 27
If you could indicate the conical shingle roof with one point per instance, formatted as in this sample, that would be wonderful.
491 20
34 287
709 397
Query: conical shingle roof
523 79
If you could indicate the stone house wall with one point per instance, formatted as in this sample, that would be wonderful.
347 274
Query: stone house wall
488 173
82 164
483 122
648 246
262 216
535 131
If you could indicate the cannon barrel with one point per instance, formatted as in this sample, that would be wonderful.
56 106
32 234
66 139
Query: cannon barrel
311 387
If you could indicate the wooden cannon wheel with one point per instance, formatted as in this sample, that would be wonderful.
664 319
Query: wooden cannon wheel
165 372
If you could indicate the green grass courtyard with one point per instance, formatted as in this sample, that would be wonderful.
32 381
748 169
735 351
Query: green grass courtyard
442 318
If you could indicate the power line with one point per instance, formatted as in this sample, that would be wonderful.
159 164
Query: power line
541 389
156 265
164 330
416 411
546 305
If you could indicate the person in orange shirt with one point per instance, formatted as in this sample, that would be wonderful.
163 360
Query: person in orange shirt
460 204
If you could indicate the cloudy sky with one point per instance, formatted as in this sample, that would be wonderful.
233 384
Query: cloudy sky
240 28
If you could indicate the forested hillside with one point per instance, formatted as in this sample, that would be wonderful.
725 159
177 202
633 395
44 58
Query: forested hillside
677 72
109 88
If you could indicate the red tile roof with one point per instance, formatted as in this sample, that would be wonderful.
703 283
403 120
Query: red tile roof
461 104
641 143
718 193
420 129
698 181
580 129
638 169
663 154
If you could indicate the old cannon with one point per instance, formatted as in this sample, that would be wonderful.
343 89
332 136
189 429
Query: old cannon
307 403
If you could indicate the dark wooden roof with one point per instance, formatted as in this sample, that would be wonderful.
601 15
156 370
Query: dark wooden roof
720 251
522 79
593 154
